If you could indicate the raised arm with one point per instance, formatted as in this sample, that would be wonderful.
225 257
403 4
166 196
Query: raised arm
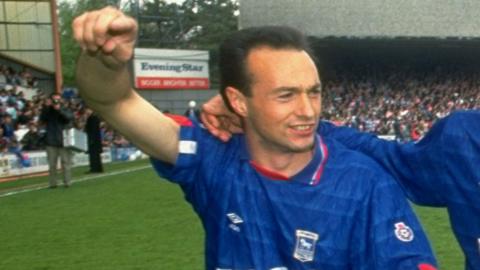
107 37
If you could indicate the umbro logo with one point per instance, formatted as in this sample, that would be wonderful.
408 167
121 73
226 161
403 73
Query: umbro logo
235 220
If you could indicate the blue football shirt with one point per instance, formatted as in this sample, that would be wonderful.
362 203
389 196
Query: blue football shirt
442 169
342 211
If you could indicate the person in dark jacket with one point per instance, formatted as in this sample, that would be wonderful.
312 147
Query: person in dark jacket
92 128
32 140
55 117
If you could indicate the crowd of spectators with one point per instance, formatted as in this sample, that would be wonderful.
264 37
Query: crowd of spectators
20 129
9 76
403 104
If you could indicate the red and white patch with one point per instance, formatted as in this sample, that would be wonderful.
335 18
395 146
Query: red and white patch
426 266
403 232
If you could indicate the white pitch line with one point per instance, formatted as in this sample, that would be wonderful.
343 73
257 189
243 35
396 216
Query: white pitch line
82 179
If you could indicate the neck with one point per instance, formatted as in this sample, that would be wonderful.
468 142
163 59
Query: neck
281 161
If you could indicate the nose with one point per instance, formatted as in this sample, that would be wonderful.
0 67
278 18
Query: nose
306 106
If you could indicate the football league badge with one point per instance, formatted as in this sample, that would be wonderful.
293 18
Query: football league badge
305 246
403 232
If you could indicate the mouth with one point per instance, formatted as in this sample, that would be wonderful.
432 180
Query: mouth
303 130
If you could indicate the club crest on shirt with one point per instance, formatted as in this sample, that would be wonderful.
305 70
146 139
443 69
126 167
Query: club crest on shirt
305 246
403 232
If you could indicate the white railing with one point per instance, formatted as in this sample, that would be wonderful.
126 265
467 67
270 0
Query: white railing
11 165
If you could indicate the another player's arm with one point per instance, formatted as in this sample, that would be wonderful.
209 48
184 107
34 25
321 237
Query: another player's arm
107 37
219 120
396 238
411 164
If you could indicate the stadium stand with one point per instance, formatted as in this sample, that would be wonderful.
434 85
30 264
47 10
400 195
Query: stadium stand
20 132
403 104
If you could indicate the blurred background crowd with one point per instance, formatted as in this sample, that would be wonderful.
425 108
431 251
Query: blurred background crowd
20 128
402 104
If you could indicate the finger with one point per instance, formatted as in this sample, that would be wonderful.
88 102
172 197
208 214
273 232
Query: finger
223 133
205 116
216 132
212 129
109 46
101 27
123 32
77 28
224 137
212 106
88 33
217 100
202 117
213 120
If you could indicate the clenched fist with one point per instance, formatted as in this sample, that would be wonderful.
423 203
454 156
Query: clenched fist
107 31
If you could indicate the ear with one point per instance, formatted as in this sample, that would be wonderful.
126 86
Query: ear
237 101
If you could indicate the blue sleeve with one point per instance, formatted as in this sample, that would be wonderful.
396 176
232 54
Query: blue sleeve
392 234
185 169
199 156
412 165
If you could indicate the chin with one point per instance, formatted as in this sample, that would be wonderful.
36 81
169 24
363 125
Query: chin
302 148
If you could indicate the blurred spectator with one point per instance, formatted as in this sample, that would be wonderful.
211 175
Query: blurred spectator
191 111
3 97
14 148
25 117
56 117
95 149
8 127
32 140
11 108
120 141
3 142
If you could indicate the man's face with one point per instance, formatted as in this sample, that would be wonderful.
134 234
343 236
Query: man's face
56 99
284 108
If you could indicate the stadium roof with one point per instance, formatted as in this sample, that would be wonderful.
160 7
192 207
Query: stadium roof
368 18
26 33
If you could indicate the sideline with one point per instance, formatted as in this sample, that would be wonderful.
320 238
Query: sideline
81 179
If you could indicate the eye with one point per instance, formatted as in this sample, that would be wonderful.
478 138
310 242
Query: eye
284 96
314 93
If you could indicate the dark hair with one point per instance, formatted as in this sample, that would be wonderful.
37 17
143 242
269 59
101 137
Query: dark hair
235 49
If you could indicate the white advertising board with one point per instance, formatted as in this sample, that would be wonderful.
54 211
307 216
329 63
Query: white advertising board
171 69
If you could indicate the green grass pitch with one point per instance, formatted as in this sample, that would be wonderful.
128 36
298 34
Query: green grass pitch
129 220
